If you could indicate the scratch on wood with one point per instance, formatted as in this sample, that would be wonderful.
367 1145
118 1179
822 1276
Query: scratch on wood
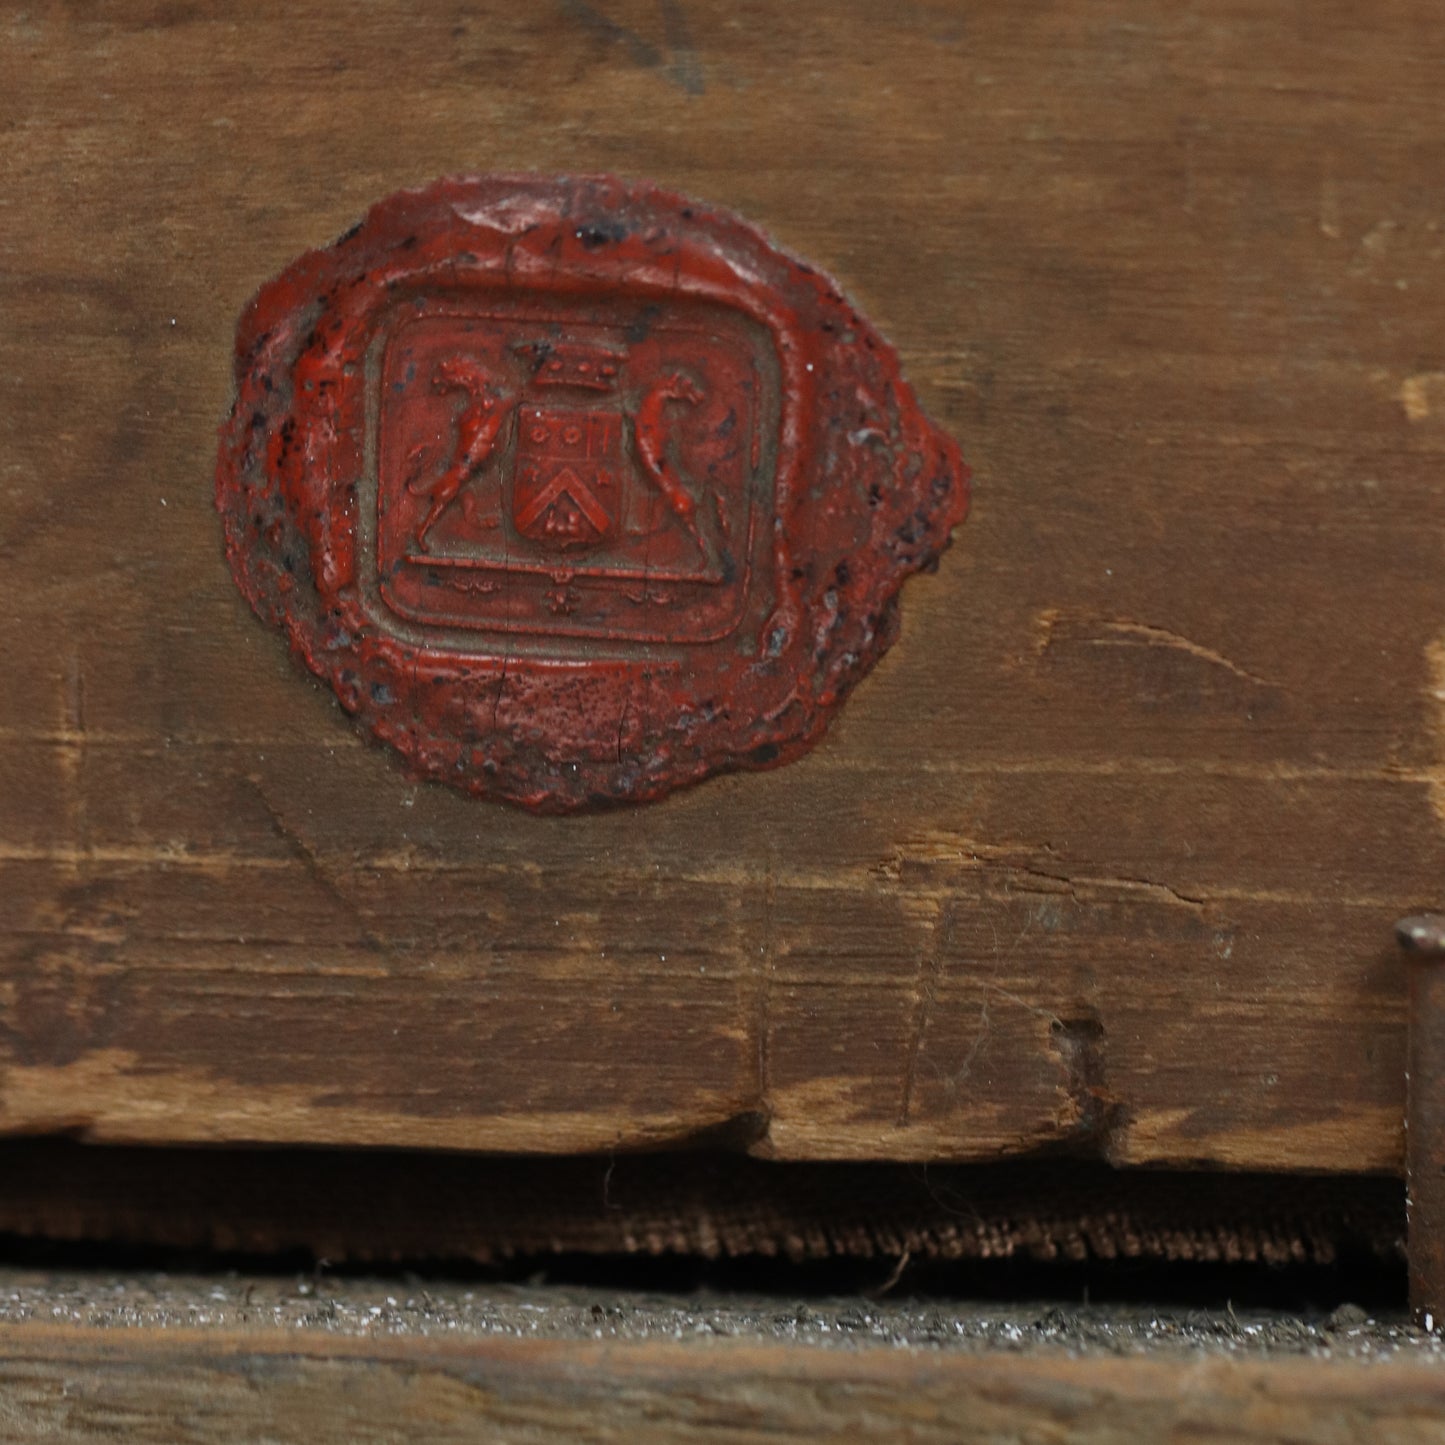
1144 633
762 1021
930 972
1123 632
1080 887
1016 865
936 848
72 756
293 839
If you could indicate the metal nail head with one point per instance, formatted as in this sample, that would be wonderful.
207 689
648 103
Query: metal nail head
1422 936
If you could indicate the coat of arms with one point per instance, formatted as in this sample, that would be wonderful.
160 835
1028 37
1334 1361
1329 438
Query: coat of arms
567 483
577 511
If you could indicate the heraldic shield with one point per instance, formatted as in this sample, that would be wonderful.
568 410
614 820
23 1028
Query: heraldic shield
567 484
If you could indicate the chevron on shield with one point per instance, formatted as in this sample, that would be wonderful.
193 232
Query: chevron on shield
566 488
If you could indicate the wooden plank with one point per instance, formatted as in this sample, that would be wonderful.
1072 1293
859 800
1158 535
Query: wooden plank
74 1384
1105 853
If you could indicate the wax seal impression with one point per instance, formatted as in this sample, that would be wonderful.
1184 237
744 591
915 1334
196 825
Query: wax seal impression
573 490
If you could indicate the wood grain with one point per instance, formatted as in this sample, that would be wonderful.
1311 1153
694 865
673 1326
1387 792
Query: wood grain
71 1384
1103 856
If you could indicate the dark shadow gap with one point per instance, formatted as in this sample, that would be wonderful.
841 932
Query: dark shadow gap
1042 1229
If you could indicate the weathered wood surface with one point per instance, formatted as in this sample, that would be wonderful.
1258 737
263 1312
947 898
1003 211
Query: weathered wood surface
331 1377
1106 852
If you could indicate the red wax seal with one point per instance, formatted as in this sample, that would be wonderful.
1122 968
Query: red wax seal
573 490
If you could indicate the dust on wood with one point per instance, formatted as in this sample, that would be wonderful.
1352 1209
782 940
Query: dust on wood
314 1360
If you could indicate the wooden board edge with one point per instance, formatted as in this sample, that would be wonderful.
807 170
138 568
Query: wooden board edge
82 1383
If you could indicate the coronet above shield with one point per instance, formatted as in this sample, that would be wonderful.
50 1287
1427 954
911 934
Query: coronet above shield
573 490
